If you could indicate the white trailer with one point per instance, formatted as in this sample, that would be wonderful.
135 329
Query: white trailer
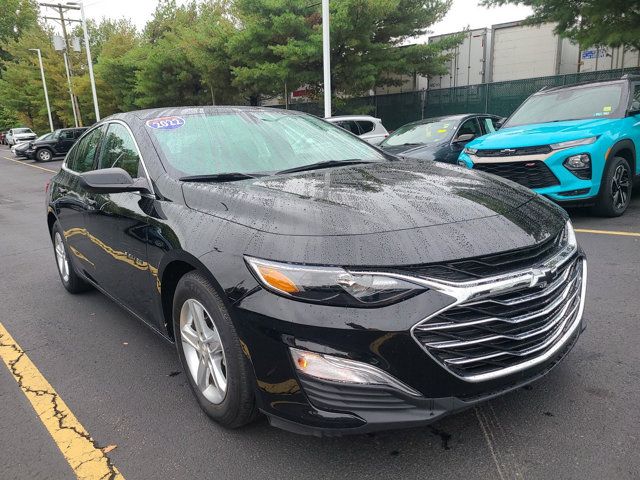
469 60
522 51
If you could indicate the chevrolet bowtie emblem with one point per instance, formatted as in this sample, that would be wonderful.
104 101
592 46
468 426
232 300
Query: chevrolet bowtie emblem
508 151
541 278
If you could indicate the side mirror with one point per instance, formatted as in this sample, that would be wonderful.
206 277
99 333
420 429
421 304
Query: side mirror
464 138
112 180
499 123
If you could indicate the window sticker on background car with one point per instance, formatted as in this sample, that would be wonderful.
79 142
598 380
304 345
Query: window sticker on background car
608 108
165 123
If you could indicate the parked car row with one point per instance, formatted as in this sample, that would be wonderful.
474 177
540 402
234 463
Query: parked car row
576 145
50 145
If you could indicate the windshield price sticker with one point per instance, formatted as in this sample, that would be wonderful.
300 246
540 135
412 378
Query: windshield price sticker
165 123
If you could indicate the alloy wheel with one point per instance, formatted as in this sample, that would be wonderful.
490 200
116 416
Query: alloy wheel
620 187
44 155
203 351
61 257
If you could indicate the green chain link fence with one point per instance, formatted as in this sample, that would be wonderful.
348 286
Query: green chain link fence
499 98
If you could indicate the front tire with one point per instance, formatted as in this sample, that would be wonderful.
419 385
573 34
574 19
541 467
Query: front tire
210 352
616 188
68 276
44 155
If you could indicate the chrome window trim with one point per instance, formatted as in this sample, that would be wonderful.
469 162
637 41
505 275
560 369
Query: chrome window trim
135 142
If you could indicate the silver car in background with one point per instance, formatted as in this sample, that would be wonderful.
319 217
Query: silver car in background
364 126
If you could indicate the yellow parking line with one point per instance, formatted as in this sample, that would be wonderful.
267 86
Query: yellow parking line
88 461
607 232
29 165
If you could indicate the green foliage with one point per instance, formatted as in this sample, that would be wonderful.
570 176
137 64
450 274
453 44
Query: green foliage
16 16
280 41
612 23
216 51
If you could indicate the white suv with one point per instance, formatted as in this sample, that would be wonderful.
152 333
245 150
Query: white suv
364 126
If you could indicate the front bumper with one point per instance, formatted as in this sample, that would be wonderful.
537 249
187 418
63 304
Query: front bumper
269 325
571 190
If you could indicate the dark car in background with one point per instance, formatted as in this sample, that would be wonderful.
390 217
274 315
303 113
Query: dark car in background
441 139
26 149
307 275
61 141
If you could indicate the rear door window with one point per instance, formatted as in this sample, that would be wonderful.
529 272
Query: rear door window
488 125
350 126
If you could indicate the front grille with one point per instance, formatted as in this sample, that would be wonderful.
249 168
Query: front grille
490 265
503 330
513 152
534 174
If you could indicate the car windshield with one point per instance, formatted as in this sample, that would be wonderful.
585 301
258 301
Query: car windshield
46 136
252 142
578 103
420 133
22 130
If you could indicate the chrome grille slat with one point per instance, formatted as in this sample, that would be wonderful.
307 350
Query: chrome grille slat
542 346
507 326
519 319
522 336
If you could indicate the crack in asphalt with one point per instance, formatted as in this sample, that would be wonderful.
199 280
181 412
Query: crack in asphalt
60 413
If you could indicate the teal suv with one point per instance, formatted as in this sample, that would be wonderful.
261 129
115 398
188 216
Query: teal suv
576 145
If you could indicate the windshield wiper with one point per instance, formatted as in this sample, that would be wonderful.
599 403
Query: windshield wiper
323 164
220 177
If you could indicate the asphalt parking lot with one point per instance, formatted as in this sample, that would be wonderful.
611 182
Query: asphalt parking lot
125 386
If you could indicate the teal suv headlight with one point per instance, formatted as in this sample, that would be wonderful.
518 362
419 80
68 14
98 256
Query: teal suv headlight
579 165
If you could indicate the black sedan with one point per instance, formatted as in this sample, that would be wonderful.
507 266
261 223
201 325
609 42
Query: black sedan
440 139
304 274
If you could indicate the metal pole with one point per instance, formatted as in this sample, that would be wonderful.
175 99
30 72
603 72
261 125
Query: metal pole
73 103
89 62
44 85
326 59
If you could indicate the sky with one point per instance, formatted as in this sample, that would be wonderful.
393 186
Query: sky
463 13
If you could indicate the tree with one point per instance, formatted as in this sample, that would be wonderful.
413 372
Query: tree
613 23
280 42
16 17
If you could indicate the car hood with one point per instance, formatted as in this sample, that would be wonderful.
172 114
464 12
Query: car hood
359 199
543 134
24 135
423 151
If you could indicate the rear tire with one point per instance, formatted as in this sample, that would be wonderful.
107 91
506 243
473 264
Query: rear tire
210 352
44 155
615 189
68 276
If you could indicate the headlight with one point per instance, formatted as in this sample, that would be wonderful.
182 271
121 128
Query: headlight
330 285
579 165
570 235
470 151
573 143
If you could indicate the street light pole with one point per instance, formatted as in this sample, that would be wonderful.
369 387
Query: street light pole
89 62
44 85
73 102
326 58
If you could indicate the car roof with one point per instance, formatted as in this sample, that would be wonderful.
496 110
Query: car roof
452 118
338 118
584 84
151 113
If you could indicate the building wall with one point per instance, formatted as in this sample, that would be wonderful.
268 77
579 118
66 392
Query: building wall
469 60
